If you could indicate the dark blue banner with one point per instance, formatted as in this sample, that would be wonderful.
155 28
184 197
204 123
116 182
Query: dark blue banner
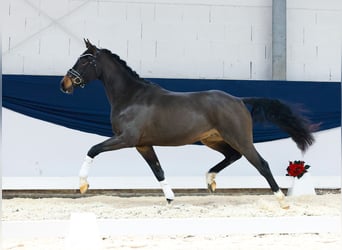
88 109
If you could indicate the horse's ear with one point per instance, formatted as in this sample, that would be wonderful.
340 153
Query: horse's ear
90 47
88 44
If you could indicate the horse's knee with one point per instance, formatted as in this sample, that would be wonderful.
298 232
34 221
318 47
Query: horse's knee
94 151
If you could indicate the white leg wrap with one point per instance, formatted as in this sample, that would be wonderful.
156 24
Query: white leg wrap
167 190
279 194
84 171
281 199
210 178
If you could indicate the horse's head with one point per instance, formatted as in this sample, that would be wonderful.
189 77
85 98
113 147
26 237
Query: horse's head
83 71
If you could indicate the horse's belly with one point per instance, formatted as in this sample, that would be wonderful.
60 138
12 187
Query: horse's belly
178 139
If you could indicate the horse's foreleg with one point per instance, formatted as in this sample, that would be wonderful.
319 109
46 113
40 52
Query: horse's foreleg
108 145
150 157
83 174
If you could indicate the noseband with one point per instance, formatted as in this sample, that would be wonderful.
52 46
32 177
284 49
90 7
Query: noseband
77 77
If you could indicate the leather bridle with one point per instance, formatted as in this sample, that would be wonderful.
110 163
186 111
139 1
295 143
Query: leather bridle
77 78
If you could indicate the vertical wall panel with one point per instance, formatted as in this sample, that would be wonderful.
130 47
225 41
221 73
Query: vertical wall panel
314 40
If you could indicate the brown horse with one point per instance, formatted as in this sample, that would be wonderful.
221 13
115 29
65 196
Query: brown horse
144 114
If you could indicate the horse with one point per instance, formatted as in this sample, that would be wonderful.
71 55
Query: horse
144 115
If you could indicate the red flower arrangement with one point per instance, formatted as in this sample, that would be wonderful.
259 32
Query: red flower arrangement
297 169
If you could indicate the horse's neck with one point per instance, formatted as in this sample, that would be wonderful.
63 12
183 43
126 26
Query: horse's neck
121 88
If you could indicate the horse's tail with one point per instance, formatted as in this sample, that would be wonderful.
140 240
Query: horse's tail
298 127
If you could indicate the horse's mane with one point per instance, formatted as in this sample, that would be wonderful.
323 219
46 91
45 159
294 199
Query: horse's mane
125 66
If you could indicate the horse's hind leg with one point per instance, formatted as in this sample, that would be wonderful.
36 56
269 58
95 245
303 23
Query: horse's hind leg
150 157
262 166
230 154
239 135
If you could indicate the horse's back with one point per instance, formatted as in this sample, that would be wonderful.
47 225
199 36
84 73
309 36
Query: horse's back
204 99
211 105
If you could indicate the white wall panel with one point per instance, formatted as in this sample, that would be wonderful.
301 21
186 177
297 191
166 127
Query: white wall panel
161 38
38 30
167 13
314 4
314 35
196 14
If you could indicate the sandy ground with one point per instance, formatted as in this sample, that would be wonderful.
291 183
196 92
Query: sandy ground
111 207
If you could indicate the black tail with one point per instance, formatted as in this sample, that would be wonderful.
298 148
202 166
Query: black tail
284 117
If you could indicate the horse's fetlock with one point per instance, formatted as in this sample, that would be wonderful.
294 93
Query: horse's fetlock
211 183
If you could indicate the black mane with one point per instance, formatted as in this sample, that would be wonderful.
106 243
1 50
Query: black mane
123 63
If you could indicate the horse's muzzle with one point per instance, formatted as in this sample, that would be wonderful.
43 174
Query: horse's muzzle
66 85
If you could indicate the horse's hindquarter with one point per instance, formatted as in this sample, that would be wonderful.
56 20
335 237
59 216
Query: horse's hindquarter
183 118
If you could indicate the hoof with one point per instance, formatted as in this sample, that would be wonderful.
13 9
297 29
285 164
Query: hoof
169 201
212 187
281 199
286 207
84 187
